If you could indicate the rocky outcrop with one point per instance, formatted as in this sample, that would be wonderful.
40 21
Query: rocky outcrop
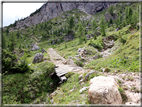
93 8
38 57
108 16
51 10
104 90
69 37
108 42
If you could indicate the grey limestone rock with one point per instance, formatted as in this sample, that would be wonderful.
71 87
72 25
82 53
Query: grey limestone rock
35 47
43 50
38 57
51 10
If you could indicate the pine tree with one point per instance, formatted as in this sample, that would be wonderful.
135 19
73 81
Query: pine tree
128 15
111 21
12 43
3 42
7 31
81 33
102 27
71 24
94 24
111 10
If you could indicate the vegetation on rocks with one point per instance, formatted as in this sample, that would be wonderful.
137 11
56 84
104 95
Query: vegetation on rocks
25 82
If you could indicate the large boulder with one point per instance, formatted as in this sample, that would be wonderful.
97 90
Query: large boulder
104 90
35 47
38 57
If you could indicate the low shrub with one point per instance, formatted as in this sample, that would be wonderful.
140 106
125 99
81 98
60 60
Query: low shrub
122 92
96 44
79 63
69 74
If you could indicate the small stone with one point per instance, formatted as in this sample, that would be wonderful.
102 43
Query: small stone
91 72
83 89
43 50
115 71
38 57
63 78
130 103
106 70
70 57
80 77
52 101
81 81
35 47
51 84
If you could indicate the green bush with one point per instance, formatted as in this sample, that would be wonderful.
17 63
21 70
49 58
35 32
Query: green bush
10 65
79 63
96 44
69 74
122 92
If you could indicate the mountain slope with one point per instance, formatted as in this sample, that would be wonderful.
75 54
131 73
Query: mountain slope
51 10
115 53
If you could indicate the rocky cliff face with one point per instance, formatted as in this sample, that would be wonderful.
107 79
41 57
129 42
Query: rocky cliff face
51 10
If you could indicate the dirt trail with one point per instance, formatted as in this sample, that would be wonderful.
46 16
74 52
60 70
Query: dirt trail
34 40
61 67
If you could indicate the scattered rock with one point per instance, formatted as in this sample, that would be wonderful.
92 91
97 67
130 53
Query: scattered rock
116 29
32 44
69 62
131 103
43 50
35 47
80 77
104 90
70 57
80 81
89 36
91 72
63 78
63 16
106 70
83 89
52 101
38 58
135 97
108 16
96 56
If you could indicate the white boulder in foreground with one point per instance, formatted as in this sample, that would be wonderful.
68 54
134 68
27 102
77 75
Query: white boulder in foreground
104 90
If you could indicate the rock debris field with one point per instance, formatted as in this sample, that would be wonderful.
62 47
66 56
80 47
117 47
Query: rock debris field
129 81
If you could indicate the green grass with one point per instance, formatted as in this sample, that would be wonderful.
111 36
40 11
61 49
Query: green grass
25 88
65 96
35 87
126 57
72 47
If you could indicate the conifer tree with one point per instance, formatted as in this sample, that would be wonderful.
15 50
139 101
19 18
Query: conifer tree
111 10
94 24
3 42
102 27
81 33
12 43
71 24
